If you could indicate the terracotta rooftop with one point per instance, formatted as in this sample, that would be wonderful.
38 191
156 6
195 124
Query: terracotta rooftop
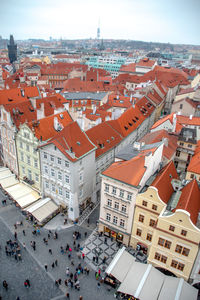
17 95
72 142
129 172
104 137
190 200
163 182
157 136
44 128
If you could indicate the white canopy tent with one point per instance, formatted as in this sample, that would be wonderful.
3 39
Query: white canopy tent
145 282
42 209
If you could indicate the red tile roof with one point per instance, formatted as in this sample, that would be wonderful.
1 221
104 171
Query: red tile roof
72 142
163 182
15 95
194 165
104 137
146 62
130 172
190 200
157 136
163 120
128 68
44 128
128 121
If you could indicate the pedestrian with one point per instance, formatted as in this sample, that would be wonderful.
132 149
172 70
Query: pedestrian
46 267
96 275
85 234
60 281
49 236
5 285
69 255
67 271
50 251
38 231
56 283
83 256
67 295
15 235
34 247
88 221
25 284
88 271
98 285
24 233
24 246
93 258
99 272
105 240
52 265
61 250
15 225
80 298
56 262
72 263
97 259
28 282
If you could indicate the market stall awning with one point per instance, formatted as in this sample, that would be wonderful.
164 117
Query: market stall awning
28 199
19 190
8 181
42 209
120 265
177 288
5 173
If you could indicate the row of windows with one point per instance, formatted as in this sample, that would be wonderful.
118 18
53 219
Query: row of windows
154 207
148 237
179 249
175 264
152 222
54 159
183 232
116 205
30 176
121 193
52 172
60 189
115 220
28 160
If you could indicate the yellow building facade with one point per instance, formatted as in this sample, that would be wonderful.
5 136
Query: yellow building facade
175 243
147 210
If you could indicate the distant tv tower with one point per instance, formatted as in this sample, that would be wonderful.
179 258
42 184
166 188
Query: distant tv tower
98 31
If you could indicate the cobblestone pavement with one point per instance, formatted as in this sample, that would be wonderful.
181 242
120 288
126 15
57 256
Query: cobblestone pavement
32 264
95 246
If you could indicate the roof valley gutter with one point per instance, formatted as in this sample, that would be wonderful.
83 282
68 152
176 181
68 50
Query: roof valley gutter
142 282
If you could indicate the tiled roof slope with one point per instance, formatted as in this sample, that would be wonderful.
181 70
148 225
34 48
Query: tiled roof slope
190 200
129 172
44 128
104 137
25 112
128 121
163 182
16 95
72 142
157 136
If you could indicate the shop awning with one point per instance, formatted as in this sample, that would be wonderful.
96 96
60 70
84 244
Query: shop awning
5 173
145 282
120 265
8 181
28 199
177 288
42 209
19 190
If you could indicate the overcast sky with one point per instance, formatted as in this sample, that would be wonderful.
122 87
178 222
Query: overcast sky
174 21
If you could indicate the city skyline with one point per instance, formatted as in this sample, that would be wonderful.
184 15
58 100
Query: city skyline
151 21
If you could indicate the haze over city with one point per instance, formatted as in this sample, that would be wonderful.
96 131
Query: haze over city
156 21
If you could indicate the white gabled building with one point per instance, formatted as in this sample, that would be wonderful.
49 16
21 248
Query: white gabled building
68 170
